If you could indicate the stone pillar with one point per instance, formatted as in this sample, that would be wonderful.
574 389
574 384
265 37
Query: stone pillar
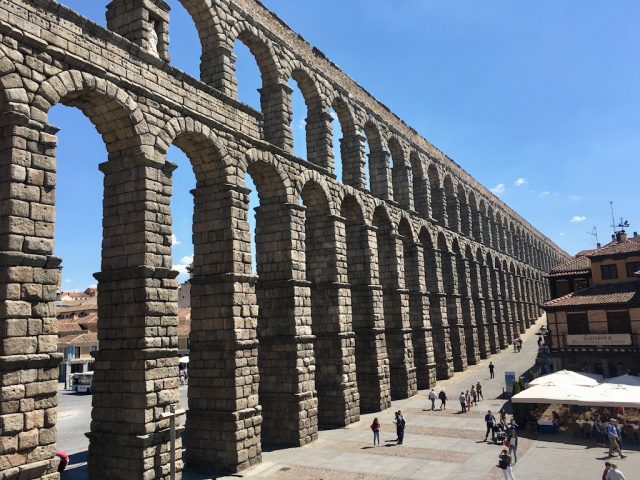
136 368
380 172
438 315
477 227
468 311
419 320
223 423
396 316
453 212
403 186
499 318
507 314
29 277
275 100
439 205
285 355
454 311
334 346
319 132
495 235
466 220
353 161
479 309
517 304
144 22
486 230
372 365
490 309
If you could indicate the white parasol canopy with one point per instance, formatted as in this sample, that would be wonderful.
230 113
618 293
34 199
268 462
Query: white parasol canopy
624 380
612 395
568 378
552 393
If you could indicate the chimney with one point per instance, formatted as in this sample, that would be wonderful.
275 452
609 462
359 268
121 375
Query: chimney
635 234
598 245
621 236
613 236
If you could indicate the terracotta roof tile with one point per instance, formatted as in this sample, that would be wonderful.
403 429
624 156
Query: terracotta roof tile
603 294
632 245
575 265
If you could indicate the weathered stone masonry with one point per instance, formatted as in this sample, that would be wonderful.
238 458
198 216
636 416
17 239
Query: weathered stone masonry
360 296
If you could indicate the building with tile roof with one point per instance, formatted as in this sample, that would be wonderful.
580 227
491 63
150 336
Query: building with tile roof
595 326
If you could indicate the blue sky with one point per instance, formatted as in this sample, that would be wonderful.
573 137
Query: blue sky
538 100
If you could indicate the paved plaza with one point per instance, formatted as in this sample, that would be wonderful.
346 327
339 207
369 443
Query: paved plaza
437 445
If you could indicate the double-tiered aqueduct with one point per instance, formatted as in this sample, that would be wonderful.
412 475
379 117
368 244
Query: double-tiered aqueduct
362 294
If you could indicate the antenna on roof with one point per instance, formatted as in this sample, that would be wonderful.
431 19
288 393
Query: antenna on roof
613 218
594 235
620 226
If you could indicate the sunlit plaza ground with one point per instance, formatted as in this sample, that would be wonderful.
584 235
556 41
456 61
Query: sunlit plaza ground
437 445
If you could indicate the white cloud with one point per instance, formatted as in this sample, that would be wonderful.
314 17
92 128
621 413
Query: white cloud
574 198
578 218
302 124
174 240
562 234
519 182
546 193
498 189
184 263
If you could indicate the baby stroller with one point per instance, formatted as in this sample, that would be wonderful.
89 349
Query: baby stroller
500 434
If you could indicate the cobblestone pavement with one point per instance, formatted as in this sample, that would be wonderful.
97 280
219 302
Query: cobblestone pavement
439 444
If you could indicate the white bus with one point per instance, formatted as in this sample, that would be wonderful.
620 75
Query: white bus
82 382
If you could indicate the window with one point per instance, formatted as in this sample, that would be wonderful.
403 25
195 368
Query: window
562 288
632 268
609 271
577 323
77 352
619 322
580 284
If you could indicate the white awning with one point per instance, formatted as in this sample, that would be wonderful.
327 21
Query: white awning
624 380
552 393
567 377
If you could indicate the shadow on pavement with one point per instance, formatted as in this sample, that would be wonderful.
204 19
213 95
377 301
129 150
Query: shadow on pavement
77 468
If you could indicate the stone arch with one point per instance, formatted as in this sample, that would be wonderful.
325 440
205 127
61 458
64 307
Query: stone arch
379 173
453 209
400 175
372 372
263 168
351 145
318 122
467 320
103 102
450 252
438 204
311 176
479 330
420 185
396 322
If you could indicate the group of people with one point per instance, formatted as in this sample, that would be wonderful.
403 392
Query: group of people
400 422
468 398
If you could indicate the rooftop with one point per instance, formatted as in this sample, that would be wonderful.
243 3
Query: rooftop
601 294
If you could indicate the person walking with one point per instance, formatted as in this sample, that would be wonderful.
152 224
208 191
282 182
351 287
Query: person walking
479 391
432 397
467 397
613 432
375 428
490 420
504 462
491 368
503 416
443 399
400 425
463 403
614 473
513 446
474 395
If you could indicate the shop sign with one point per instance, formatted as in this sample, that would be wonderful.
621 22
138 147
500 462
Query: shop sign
600 340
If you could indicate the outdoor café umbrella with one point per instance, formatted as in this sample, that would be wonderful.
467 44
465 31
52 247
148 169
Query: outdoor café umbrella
624 380
567 377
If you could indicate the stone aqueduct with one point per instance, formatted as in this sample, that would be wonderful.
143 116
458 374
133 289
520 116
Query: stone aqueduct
362 295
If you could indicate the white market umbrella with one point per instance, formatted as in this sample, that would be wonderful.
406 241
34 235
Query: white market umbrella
624 380
567 377
183 360
612 395
552 393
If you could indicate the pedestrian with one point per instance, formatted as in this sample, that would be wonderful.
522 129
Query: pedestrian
467 397
432 397
539 341
607 467
504 462
490 420
614 473
519 344
513 446
491 368
515 344
511 426
400 425
375 428
479 391
443 399
613 432
463 403
474 395
503 415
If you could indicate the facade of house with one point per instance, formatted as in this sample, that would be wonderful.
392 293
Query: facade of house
597 328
